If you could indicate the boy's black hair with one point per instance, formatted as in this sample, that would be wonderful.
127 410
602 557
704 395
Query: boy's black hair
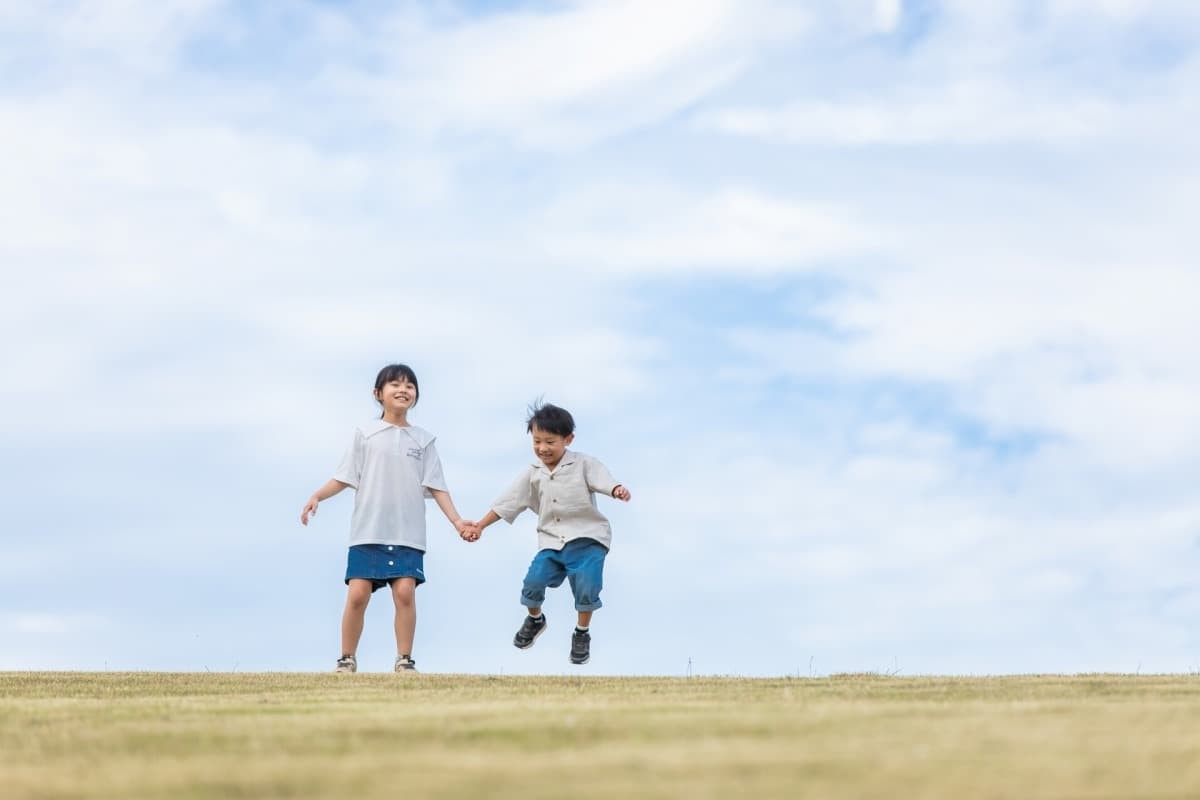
393 372
550 419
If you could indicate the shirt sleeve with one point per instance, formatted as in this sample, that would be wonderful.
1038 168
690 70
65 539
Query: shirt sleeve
432 476
598 478
349 471
516 498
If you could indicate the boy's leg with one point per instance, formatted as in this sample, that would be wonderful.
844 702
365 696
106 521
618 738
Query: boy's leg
357 596
404 595
585 568
545 570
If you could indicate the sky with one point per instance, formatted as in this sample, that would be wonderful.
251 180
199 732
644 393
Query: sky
883 310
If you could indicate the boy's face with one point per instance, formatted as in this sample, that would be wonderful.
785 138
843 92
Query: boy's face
397 396
549 447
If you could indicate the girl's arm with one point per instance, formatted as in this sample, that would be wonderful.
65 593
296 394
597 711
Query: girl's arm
442 498
324 493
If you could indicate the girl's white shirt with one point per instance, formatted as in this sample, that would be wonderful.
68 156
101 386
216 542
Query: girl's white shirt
391 470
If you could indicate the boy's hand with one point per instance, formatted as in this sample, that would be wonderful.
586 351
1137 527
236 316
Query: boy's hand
621 493
469 531
309 508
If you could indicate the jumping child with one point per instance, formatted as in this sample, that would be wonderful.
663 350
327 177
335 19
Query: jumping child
573 536
392 466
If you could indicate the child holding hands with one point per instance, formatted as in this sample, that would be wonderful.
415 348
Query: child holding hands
573 536
392 466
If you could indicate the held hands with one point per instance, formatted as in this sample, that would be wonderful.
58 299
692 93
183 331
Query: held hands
621 493
469 531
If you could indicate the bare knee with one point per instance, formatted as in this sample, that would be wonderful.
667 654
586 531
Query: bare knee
404 591
359 595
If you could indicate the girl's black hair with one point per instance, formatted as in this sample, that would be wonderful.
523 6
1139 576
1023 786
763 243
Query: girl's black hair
393 372
550 419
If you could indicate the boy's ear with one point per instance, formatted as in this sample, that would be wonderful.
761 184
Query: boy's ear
570 438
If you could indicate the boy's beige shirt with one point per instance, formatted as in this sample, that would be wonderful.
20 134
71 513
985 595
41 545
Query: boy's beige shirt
564 500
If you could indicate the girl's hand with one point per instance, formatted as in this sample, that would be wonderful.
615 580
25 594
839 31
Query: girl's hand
309 508
468 530
621 493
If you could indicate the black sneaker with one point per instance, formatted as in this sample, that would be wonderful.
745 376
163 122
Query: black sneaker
581 647
530 629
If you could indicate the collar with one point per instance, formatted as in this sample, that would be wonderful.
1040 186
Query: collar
421 436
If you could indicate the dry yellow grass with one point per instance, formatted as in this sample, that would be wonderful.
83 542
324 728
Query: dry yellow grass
138 735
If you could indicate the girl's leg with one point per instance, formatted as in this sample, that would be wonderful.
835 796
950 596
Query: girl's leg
404 595
585 618
357 597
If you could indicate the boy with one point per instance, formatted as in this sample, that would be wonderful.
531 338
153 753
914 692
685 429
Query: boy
573 536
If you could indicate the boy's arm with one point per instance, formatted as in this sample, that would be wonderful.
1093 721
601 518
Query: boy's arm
599 479
508 506
488 519
332 487
516 498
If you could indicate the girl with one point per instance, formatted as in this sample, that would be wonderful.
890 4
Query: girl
392 466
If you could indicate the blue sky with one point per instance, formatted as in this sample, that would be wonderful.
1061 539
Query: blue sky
884 311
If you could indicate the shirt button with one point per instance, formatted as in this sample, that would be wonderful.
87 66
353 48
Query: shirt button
554 500
391 563
389 547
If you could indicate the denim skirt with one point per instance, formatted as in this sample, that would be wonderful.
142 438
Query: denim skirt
383 563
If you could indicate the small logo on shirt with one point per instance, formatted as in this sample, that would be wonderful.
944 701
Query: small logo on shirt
414 452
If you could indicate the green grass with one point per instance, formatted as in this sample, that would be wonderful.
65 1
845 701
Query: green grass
135 735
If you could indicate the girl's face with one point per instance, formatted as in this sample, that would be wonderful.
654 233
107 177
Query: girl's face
397 396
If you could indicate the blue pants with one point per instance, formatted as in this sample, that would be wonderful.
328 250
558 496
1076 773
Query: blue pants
581 561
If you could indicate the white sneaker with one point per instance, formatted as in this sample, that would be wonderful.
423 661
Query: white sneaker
347 663
405 664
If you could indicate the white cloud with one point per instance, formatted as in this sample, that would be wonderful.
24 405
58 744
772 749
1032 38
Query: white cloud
39 624
563 79
887 14
643 230
996 73
974 112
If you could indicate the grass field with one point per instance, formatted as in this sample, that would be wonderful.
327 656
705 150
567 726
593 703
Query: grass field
134 735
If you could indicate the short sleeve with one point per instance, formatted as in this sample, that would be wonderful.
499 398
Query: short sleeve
598 477
516 498
432 476
349 471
